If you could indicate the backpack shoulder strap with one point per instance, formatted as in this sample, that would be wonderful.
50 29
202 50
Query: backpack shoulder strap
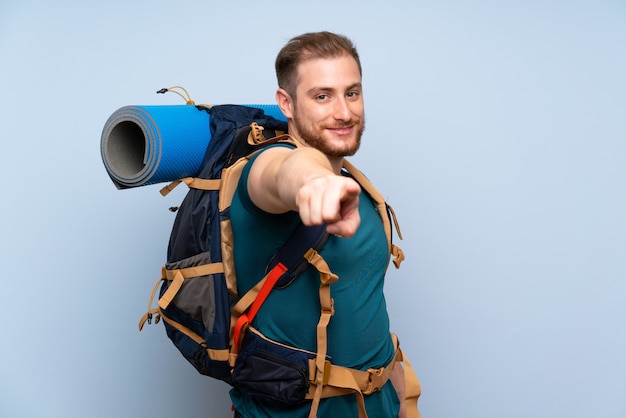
291 259
385 211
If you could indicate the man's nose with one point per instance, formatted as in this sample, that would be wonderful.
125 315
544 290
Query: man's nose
341 110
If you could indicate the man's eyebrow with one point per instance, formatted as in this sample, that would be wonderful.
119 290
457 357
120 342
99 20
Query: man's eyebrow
356 86
312 90
320 90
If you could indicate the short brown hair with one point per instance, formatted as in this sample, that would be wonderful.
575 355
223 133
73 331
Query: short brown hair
308 46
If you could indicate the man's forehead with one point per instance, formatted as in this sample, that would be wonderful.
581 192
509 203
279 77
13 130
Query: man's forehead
329 72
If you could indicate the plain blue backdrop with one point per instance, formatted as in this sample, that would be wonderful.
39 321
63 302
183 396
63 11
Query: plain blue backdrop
496 129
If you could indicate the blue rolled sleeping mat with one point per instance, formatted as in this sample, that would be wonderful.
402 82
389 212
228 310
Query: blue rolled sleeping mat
144 145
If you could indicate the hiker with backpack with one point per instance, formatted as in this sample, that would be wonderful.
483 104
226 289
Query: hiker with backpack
277 256
321 94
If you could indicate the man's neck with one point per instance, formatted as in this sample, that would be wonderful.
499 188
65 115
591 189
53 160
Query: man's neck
335 162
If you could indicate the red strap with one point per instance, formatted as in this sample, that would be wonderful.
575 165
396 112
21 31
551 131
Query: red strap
272 277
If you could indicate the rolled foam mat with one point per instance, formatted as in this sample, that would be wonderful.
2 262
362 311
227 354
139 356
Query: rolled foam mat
144 145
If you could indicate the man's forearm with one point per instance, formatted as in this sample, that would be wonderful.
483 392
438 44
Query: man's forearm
398 382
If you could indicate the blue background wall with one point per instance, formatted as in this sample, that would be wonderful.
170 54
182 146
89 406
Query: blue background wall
496 129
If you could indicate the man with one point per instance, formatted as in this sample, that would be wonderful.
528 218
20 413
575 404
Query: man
320 93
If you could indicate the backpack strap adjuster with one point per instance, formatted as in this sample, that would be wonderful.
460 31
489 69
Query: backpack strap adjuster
326 372
375 381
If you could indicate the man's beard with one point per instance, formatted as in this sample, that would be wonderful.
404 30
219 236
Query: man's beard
313 138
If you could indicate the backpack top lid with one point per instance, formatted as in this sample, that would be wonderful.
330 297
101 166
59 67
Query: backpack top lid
226 120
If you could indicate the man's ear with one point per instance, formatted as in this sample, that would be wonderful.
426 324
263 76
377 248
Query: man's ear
285 103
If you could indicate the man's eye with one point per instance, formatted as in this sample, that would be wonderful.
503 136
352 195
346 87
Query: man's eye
353 94
321 97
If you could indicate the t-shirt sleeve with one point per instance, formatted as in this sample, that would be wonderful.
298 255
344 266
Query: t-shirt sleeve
242 186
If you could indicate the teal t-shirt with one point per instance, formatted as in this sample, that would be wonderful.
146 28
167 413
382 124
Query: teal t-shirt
358 333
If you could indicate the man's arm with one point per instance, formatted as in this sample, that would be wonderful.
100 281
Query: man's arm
304 180
398 382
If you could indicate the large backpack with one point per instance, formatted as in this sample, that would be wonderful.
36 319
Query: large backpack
206 318
196 297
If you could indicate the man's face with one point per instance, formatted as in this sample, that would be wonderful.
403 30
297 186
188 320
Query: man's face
328 111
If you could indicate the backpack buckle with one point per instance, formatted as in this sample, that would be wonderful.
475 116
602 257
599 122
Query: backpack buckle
377 379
